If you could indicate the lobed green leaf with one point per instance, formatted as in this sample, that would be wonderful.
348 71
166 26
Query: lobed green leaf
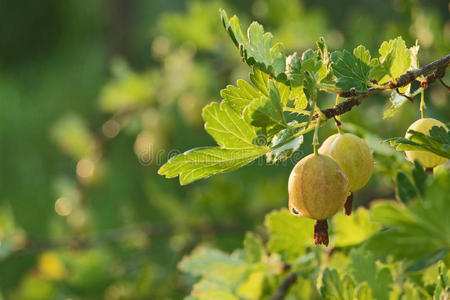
352 70
203 162
256 48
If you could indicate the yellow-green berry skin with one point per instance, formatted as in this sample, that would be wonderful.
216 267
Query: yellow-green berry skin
353 155
317 187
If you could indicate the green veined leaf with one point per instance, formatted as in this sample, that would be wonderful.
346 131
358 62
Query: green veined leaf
203 162
441 135
266 111
282 153
227 127
241 95
261 82
352 70
256 49
394 61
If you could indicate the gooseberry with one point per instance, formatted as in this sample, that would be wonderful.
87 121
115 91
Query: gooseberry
318 188
354 157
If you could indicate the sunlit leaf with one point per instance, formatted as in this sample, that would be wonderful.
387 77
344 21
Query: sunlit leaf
241 95
203 162
227 127
353 229
394 61
289 235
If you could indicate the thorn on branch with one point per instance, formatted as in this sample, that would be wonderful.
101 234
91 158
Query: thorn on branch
406 96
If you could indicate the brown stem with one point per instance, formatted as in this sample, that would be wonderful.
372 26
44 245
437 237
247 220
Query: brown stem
321 232
429 170
443 83
411 99
439 65
348 205
284 287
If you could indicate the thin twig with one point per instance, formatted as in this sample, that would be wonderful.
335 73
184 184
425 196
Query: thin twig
284 287
439 65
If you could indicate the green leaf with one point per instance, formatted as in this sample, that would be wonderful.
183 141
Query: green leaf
213 264
397 101
289 144
416 230
352 71
363 292
294 70
364 269
406 190
227 127
266 111
420 178
324 56
256 49
394 61
253 247
441 135
353 229
252 287
261 82
333 288
203 162
239 96
427 260
206 290
289 235
437 142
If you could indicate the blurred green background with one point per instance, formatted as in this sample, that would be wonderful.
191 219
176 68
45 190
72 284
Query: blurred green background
95 96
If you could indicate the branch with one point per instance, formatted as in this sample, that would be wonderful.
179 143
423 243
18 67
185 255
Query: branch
284 287
439 65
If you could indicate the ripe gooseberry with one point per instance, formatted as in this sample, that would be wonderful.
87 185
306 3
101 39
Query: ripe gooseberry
317 188
354 157
426 159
